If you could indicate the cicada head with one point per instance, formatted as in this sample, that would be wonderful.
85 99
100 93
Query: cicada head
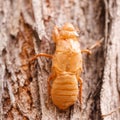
68 27
64 33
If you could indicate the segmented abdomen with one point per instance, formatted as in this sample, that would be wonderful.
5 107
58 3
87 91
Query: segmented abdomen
64 91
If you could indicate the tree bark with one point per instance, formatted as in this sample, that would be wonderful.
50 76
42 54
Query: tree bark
25 30
110 93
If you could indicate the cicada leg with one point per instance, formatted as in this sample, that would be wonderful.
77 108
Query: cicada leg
80 90
36 56
39 55
98 43
88 50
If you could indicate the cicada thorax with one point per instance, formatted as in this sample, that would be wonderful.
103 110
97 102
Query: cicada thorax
64 90
67 56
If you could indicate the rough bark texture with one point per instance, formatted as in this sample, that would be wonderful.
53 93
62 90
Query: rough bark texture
25 30
110 93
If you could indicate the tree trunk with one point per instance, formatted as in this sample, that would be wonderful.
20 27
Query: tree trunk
25 30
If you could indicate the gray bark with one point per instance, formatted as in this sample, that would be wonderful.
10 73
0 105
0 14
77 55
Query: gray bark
25 30
110 93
